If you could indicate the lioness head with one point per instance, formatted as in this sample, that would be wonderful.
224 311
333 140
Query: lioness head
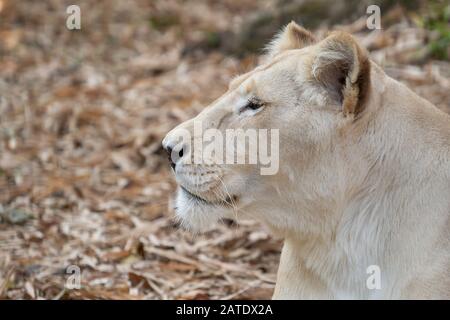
296 104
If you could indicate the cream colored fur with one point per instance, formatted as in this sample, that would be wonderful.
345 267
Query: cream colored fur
364 173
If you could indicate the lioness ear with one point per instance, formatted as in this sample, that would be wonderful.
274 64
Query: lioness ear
291 37
343 67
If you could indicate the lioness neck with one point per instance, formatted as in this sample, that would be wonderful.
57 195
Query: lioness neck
393 216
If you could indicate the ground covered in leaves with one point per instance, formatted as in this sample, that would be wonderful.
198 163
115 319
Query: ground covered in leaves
83 179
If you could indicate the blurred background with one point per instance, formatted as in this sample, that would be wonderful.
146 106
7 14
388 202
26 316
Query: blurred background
83 179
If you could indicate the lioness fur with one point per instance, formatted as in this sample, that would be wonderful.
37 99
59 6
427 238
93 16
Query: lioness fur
364 176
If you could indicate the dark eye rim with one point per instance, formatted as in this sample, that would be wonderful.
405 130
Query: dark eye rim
253 104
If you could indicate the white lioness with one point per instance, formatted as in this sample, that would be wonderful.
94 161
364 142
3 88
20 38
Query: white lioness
363 180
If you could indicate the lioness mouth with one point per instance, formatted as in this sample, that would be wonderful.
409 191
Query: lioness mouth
229 201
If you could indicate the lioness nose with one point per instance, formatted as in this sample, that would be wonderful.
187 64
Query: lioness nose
174 156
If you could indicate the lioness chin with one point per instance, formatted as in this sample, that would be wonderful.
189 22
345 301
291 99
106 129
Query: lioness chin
363 179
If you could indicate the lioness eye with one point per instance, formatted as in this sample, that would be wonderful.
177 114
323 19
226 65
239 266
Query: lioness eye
253 104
